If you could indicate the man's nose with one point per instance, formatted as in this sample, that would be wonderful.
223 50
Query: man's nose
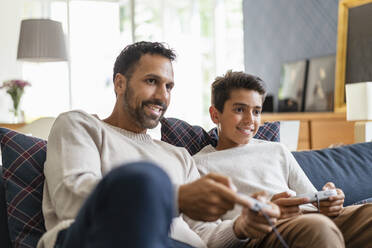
162 93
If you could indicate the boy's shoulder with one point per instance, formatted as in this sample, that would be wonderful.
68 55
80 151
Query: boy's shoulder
254 144
205 150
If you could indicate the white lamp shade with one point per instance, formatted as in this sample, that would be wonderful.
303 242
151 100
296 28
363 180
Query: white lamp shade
359 101
41 40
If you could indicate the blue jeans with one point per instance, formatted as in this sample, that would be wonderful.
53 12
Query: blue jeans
132 206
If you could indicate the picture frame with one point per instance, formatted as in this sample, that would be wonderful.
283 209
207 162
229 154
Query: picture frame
292 86
342 50
319 92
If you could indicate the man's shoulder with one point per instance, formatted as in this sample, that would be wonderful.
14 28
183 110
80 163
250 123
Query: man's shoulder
76 116
73 121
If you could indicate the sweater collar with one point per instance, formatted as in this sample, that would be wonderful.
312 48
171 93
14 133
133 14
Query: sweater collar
131 135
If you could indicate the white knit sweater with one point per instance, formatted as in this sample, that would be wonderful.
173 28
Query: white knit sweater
259 165
82 149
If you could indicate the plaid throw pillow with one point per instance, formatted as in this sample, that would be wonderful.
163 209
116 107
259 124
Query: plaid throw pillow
23 162
194 138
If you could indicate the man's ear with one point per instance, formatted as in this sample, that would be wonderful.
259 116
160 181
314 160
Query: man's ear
213 112
120 83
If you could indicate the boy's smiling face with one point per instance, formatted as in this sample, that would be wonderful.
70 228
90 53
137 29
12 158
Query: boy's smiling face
240 119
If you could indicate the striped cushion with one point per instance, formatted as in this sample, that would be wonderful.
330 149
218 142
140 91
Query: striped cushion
194 138
23 161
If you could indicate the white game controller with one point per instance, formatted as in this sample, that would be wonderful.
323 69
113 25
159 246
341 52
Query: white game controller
256 204
320 195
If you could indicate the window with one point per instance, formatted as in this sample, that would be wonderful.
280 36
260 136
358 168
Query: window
207 36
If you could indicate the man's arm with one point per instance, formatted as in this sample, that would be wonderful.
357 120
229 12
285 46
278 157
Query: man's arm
72 166
211 196
234 233
207 198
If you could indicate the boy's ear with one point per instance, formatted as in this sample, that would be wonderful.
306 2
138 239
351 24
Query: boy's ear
120 83
213 112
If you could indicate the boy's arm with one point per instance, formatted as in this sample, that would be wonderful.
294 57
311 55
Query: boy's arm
297 179
298 182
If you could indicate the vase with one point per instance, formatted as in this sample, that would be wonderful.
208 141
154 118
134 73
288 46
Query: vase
17 116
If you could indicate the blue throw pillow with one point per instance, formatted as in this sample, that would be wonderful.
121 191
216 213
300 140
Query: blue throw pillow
348 167
194 138
23 160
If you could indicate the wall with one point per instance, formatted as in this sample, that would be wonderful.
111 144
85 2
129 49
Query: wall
10 17
277 31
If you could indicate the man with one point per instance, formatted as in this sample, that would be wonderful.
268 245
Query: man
255 165
100 192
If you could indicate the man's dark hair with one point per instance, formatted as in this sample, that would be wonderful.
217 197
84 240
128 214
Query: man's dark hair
131 54
222 87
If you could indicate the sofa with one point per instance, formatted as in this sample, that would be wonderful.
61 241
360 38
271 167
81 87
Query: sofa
21 179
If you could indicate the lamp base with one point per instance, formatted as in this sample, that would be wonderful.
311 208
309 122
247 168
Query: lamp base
363 131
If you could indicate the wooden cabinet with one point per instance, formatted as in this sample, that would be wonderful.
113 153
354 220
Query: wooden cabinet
318 130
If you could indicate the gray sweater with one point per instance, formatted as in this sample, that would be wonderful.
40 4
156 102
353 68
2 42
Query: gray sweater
82 149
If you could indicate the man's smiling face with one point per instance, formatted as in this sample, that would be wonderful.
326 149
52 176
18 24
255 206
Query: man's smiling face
148 91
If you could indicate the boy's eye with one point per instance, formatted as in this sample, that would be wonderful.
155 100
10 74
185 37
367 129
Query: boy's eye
257 112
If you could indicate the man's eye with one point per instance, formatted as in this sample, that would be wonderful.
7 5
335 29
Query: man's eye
239 110
169 87
151 81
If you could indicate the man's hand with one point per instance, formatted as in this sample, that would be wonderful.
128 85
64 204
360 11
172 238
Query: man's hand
289 207
251 224
333 206
207 198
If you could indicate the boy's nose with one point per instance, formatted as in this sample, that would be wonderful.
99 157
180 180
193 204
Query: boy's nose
248 118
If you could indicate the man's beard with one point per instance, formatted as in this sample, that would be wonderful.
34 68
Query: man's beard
138 114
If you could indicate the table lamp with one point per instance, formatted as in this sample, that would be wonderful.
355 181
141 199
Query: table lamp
359 109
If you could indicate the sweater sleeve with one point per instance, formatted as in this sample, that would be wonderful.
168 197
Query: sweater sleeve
297 180
218 234
72 167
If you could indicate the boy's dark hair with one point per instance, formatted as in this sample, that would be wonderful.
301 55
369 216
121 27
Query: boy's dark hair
131 54
222 87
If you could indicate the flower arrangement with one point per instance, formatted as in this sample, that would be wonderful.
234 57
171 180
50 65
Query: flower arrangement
15 88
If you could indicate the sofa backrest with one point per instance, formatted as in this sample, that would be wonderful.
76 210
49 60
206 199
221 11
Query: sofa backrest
4 232
348 167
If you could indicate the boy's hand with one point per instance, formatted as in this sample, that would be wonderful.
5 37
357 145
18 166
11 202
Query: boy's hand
333 206
289 207
252 224
207 198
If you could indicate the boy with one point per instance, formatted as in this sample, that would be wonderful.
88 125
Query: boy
256 165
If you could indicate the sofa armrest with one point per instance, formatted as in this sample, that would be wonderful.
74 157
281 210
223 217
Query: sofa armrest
4 232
